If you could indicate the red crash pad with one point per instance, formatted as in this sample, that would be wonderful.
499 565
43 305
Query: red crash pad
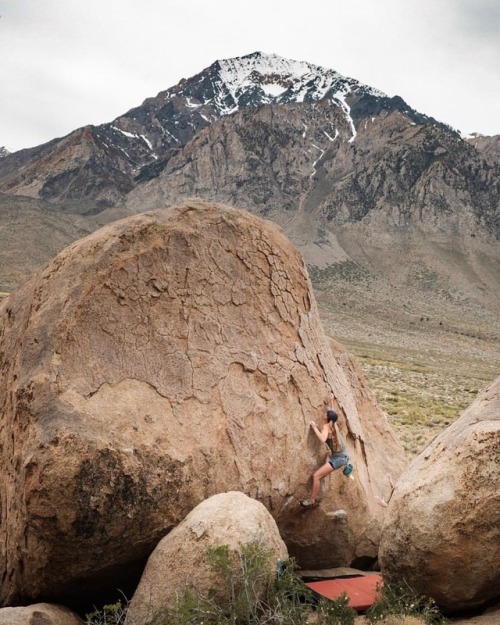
361 591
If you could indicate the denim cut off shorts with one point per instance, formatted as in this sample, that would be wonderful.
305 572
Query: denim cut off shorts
338 460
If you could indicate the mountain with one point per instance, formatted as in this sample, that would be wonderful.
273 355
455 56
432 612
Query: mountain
3 152
312 162
387 204
99 164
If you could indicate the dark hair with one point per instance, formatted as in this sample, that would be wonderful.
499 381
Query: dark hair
332 416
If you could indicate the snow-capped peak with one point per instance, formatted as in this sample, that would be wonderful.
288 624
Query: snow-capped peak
275 74
259 78
231 85
240 73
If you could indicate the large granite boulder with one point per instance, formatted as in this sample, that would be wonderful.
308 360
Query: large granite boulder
161 360
181 561
39 614
442 530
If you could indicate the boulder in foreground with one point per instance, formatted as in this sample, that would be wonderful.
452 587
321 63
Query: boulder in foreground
39 614
442 530
159 361
181 561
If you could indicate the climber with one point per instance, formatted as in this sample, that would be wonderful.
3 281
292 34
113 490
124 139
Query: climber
336 457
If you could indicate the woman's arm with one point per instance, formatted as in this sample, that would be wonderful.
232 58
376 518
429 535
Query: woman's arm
329 401
321 434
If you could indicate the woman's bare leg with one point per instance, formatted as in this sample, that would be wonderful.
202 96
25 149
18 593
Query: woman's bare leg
322 472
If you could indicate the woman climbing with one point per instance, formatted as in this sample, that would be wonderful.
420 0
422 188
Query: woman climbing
336 457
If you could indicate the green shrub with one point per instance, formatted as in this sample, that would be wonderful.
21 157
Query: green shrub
112 614
248 594
401 600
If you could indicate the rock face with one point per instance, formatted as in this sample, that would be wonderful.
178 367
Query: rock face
161 360
282 162
489 147
39 614
442 530
180 560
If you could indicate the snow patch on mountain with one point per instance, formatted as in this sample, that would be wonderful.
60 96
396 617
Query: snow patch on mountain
278 77
241 72
273 89
340 96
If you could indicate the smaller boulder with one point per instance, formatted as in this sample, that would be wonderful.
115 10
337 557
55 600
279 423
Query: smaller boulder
442 529
180 561
39 614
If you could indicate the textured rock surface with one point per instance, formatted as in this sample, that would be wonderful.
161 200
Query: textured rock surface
180 560
442 530
39 614
159 361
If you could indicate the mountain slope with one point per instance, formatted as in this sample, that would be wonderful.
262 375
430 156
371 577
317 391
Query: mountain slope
31 233
489 147
417 189
300 157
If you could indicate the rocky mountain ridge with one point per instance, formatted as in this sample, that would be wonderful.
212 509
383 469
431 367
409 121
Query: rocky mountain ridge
301 157
99 164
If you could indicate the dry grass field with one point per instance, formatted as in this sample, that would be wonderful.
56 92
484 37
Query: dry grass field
424 361
421 393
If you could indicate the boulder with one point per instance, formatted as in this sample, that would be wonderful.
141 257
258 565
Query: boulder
39 614
442 530
161 360
180 561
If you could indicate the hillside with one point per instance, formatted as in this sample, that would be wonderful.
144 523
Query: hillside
31 233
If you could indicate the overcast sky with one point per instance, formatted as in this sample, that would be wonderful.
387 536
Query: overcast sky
68 63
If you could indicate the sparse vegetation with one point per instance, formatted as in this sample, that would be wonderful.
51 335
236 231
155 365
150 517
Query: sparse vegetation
424 359
249 596
419 399
347 270
402 601
246 596
112 614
